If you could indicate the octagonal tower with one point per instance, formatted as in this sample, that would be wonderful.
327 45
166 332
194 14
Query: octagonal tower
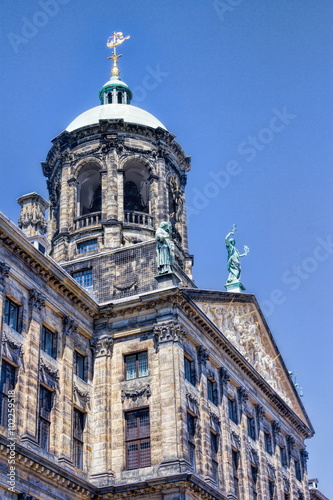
113 175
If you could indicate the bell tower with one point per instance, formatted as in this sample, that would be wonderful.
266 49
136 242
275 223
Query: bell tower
113 176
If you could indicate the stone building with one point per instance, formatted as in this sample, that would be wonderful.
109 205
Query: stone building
117 382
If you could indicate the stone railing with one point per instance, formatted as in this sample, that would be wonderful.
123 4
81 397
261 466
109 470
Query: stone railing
140 218
87 220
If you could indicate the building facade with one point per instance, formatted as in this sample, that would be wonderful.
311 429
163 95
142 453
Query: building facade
118 382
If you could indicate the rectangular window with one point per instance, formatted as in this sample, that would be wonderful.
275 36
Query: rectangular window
286 496
7 384
283 456
87 246
137 439
251 427
212 391
44 423
254 477
49 342
191 423
85 279
12 315
235 464
268 442
232 409
78 429
136 365
189 370
215 471
298 472
41 248
271 488
214 443
80 365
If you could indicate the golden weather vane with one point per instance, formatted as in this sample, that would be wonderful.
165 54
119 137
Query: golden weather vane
113 41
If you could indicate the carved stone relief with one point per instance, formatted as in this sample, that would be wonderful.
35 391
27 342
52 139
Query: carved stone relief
4 272
36 300
192 403
103 346
49 375
81 397
12 350
168 332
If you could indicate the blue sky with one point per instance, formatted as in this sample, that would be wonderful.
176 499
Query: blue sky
246 87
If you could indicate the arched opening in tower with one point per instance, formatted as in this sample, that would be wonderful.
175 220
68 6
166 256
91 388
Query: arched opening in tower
89 190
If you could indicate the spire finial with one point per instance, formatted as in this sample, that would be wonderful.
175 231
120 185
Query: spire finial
113 41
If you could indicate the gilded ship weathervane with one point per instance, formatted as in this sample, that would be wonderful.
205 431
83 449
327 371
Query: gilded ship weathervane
113 41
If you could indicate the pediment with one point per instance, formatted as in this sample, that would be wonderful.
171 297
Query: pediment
240 320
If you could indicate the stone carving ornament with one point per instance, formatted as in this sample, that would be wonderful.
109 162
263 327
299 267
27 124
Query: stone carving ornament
103 346
36 300
4 272
168 332
134 394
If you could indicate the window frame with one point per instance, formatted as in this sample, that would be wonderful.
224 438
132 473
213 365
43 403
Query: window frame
137 365
54 342
78 355
78 437
235 456
44 417
212 391
268 442
189 369
83 246
139 439
233 410
283 456
191 424
6 384
81 273
271 489
17 323
251 427
298 470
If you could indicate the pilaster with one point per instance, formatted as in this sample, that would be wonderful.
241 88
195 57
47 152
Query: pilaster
64 219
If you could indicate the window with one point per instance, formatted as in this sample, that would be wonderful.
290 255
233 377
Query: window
232 409
190 370
214 446
271 488
215 471
78 429
80 365
235 464
136 365
49 342
268 442
7 384
298 472
286 496
45 407
87 246
212 391
191 423
283 456
12 316
251 427
85 279
137 439
41 248
254 478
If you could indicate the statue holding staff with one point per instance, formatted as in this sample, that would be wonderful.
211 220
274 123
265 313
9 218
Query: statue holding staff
234 265
165 249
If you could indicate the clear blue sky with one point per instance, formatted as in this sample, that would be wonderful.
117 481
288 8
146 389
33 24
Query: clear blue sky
246 89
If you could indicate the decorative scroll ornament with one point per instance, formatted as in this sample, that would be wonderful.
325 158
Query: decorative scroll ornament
135 394
286 483
168 332
253 454
290 445
260 412
235 440
49 375
4 272
36 300
103 346
12 350
69 326
242 397
304 458
81 397
214 417
192 403
224 376
203 355
270 469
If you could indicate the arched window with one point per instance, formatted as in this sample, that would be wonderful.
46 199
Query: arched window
119 98
89 191
136 188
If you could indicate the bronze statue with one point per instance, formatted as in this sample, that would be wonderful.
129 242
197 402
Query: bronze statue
234 265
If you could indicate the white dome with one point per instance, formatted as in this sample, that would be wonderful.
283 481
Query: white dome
130 114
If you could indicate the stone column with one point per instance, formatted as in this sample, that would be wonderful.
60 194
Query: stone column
243 462
159 193
205 461
104 187
113 196
168 344
64 218
66 394
30 376
102 474
261 478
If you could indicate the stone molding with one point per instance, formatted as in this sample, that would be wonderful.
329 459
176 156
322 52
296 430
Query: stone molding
271 470
242 398
286 483
203 355
253 454
235 440
260 413
135 394
304 458
215 419
36 300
